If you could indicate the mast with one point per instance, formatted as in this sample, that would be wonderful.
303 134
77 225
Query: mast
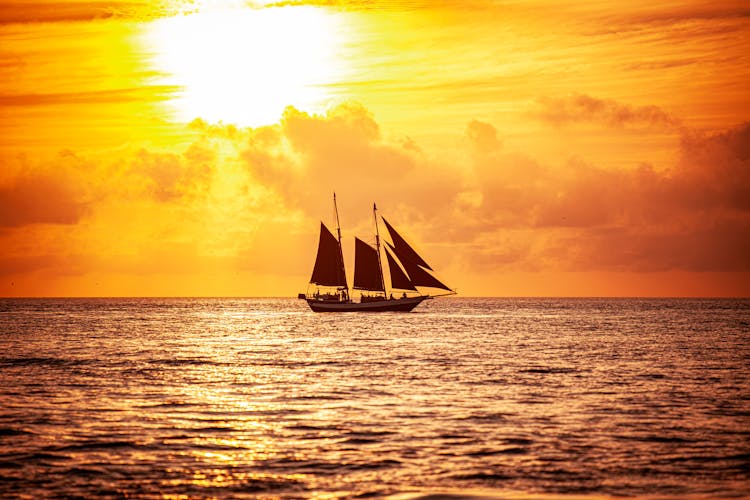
338 232
377 246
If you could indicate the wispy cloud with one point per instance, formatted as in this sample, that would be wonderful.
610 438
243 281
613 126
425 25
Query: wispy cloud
15 11
143 94
607 112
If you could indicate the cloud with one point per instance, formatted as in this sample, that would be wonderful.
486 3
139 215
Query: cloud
483 137
34 199
714 170
674 22
118 218
245 200
65 189
706 246
308 156
16 11
59 264
577 216
142 94
726 10
694 216
583 108
168 176
41 196
52 11
382 5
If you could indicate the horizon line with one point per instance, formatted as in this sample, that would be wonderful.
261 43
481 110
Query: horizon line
450 297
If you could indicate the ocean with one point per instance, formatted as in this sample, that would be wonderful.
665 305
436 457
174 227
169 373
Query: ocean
484 398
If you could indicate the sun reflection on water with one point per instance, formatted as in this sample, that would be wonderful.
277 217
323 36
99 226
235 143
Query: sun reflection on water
203 404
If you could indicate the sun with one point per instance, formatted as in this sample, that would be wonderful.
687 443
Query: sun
245 65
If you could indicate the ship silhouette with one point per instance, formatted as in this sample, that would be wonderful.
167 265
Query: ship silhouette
408 273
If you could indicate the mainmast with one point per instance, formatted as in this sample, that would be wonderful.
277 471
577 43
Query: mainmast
338 233
377 246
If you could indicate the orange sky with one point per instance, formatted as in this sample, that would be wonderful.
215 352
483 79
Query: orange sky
189 148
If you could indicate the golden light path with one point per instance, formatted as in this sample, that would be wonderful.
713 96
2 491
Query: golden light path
244 65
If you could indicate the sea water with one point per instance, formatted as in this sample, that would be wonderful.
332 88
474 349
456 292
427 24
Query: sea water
262 398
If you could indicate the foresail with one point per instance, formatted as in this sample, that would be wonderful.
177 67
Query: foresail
402 249
329 268
417 275
366 267
399 280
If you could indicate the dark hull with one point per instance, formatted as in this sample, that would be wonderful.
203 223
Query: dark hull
393 305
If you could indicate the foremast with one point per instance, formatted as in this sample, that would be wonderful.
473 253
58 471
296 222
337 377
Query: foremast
345 288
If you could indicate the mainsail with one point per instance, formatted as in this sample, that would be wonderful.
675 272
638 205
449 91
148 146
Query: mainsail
329 266
366 267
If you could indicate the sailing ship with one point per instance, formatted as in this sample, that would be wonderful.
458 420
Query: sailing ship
407 272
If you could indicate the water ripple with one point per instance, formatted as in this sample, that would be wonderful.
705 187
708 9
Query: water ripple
468 398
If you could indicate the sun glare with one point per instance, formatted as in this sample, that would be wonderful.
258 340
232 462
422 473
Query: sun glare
244 65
